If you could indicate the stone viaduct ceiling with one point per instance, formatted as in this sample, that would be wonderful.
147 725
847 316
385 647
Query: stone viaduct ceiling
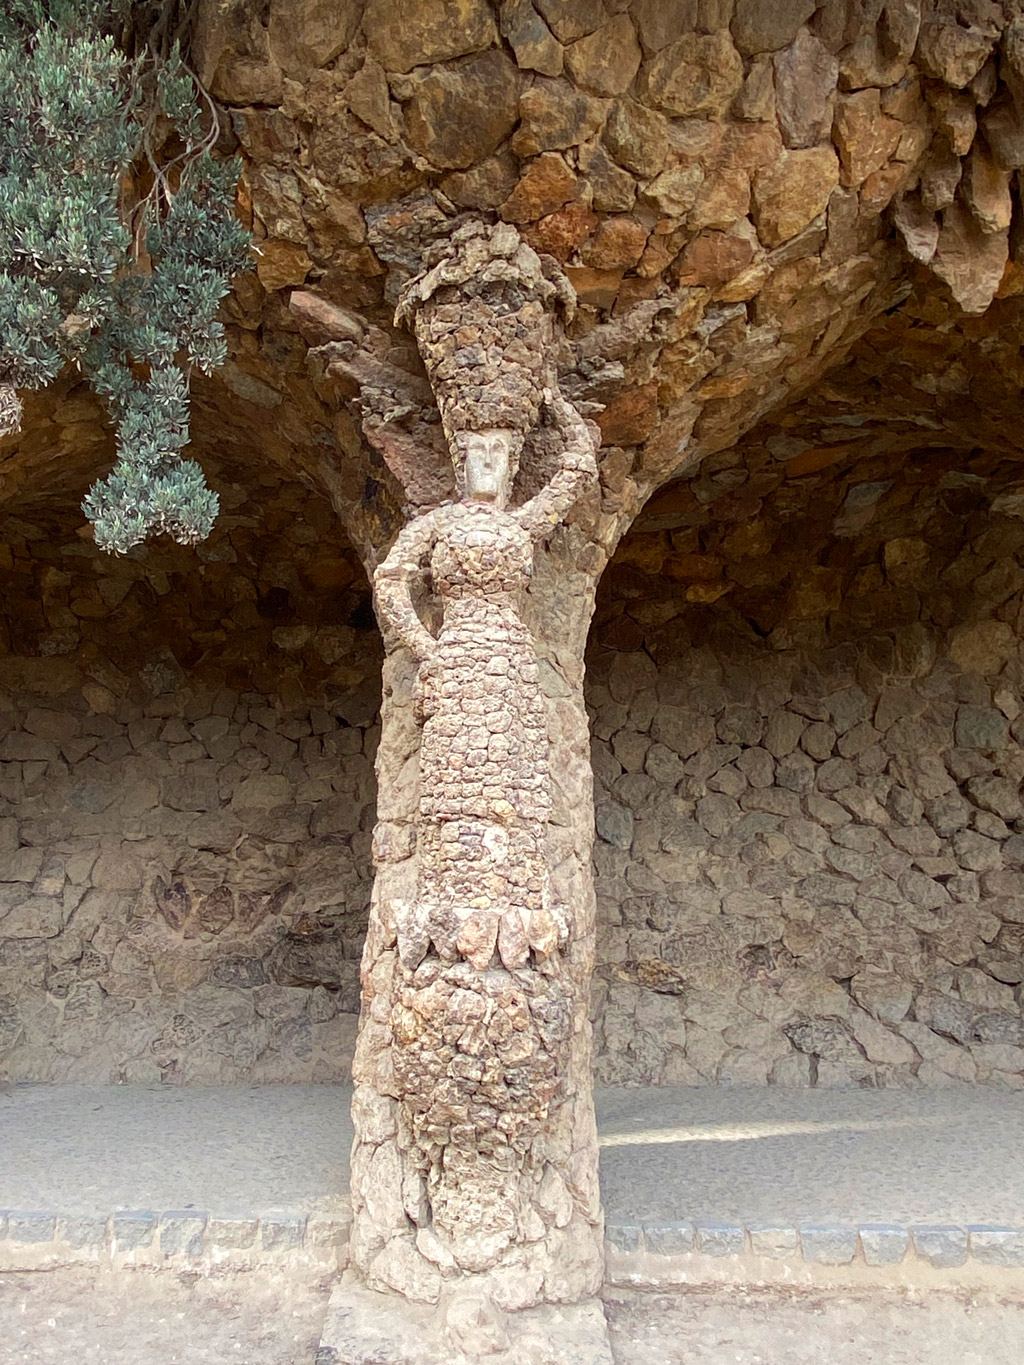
794 230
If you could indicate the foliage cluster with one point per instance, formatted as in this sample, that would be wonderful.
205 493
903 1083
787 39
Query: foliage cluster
117 243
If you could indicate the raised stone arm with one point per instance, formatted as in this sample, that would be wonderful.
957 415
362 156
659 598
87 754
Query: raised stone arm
392 581
577 470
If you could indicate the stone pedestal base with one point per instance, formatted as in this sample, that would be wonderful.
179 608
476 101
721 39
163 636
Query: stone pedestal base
367 1328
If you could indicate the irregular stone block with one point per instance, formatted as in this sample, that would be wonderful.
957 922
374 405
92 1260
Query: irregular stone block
719 1239
996 1245
775 1240
31 1226
132 1230
668 1239
828 1244
327 1232
181 1232
883 1243
758 26
805 80
282 1231
405 36
695 77
791 192
83 1232
940 1246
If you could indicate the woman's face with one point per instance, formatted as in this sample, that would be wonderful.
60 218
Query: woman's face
487 465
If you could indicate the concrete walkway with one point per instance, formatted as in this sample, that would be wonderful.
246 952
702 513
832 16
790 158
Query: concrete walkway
683 1170
814 1156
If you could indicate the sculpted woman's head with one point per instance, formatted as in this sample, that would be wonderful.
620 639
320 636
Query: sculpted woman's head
485 464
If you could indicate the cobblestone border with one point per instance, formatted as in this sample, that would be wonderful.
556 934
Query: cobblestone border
183 1236
192 1236
943 1246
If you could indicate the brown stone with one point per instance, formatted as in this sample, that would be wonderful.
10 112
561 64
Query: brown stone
659 254
756 101
545 185
307 36
791 194
694 568
880 57
816 591
617 244
865 137
723 199
613 189
674 192
637 137
939 176
534 45
279 264
570 20
367 96
458 115
321 321
881 187
1004 132
595 287
696 77
969 260
749 146
231 49
805 82
483 186
403 34
767 25
955 115
815 458
714 257
630 418
952 53
606 61
553 115
986 187
562 232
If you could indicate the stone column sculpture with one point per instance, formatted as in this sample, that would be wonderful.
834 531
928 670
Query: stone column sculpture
474 1171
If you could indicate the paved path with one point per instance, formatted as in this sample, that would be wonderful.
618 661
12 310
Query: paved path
814 1156
797 1156
226 1149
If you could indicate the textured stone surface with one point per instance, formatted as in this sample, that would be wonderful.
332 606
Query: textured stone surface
184 886
808 796
474 1169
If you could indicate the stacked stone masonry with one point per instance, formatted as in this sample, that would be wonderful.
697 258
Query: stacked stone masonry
186 798
805 683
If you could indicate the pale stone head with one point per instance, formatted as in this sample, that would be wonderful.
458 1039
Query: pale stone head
486 463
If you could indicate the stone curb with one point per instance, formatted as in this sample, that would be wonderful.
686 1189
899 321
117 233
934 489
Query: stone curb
942 1246
179 1236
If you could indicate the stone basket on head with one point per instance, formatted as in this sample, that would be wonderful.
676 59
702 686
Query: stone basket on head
482 314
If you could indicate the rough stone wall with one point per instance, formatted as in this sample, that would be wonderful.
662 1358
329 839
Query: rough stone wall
805 681
186 796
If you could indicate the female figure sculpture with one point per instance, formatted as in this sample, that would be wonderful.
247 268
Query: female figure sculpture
484 797
474 977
